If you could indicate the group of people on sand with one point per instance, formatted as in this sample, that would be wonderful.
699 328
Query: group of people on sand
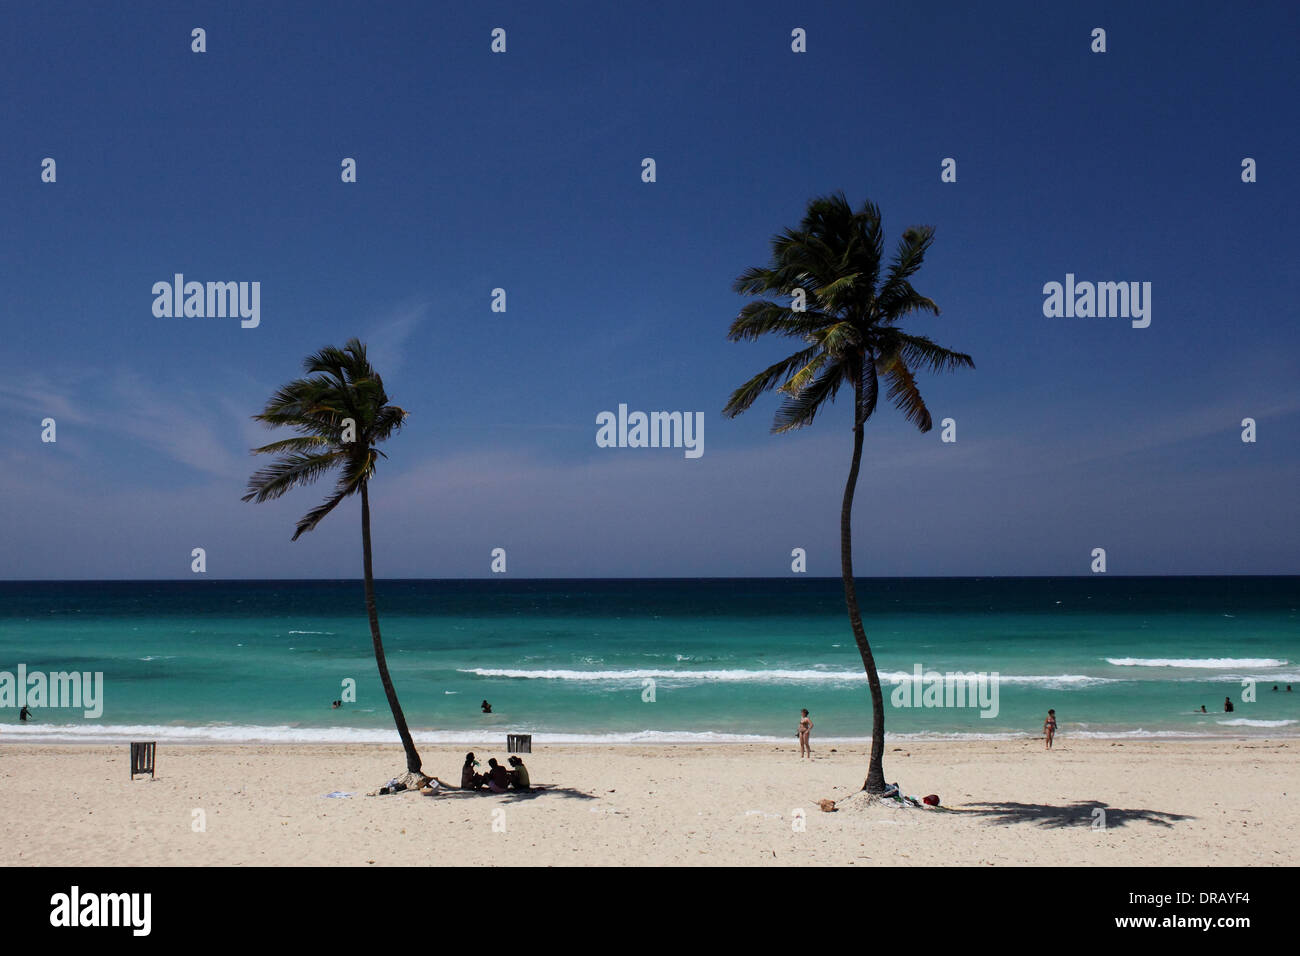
497 779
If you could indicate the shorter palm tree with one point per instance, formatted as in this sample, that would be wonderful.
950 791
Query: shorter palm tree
340 412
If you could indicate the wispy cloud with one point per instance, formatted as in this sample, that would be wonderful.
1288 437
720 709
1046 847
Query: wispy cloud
180 424
122 410
34 394
386 340
208 431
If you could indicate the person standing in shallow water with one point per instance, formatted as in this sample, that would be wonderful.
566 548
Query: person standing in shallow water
805 729
1049 728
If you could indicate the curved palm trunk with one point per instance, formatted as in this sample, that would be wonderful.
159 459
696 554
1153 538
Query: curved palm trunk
412 757
875 782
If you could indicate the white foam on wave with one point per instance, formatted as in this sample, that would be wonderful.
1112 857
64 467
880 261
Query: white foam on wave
643 673
284 734
1248 722
1138 734
773 676
227 733
1284 677
1208 663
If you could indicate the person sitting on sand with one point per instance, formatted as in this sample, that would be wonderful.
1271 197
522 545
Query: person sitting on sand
469 779
1049 728
805 728
1227 705
519 775
487 708
498 778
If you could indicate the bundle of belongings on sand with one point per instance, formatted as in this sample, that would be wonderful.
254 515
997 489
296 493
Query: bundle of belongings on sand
408 781
893 793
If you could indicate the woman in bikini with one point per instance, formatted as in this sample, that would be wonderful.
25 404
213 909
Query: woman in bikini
1049 728
470 779
805 728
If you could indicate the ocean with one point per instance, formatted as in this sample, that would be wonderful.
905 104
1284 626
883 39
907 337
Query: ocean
657 660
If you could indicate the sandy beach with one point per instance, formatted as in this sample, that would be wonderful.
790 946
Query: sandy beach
1199 803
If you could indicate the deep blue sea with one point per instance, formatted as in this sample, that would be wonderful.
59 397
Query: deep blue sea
656 660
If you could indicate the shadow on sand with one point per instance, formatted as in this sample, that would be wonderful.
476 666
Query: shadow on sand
516 796
1080 813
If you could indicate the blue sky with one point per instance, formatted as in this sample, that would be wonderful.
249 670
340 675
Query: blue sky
522 170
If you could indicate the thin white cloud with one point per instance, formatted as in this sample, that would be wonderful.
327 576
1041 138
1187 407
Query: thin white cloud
174 422
35 394
386 341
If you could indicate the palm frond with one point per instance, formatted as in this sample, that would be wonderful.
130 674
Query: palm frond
903 300
289 472
870 392
799 410
920 352
908 258
769 378
305 443
905 395
761 318
841 339
388 419
804 377
349 482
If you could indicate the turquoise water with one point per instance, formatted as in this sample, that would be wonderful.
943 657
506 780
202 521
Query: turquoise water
729 659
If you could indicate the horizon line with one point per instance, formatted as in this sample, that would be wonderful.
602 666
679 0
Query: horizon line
788 577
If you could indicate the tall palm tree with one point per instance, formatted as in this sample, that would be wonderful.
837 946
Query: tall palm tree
828 271
340 412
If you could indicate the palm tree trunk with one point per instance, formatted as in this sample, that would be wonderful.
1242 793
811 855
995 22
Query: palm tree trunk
412 757
875 782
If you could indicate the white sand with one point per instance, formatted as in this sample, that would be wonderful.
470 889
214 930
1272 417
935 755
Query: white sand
1166 802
